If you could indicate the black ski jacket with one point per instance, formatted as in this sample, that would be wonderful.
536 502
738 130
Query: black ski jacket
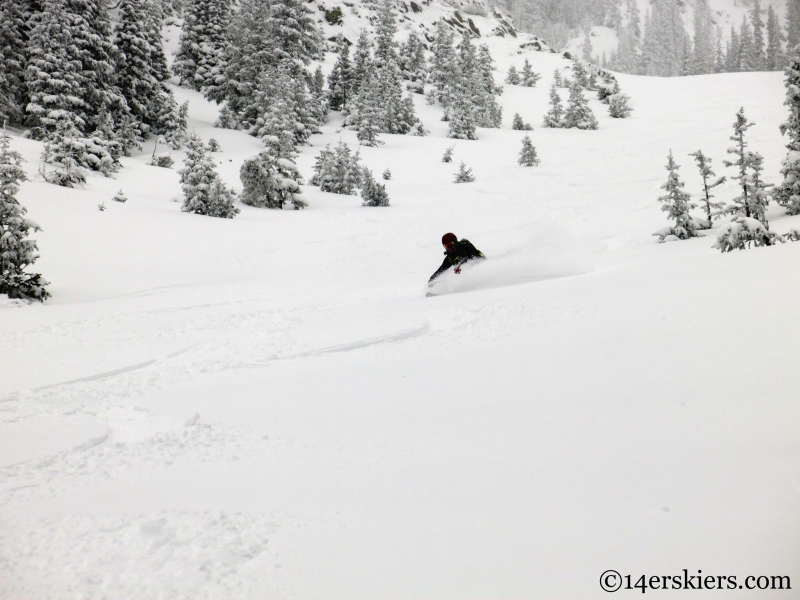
463 251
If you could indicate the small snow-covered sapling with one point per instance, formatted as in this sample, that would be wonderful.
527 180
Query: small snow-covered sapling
213 146
528 156
448 155
464 174
387 174
519 124
120 197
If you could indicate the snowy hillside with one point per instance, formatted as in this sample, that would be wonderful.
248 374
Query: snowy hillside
269 407
724 13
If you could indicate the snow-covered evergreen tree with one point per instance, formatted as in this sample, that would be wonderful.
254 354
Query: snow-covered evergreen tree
362 61
462 121
53 76
200 61
448 155
586 47
578 113
412 60
270 181
337 170
704 39
443 66
120 197
387 174
580 74
513 77
747 50
528 156
13 57
66 151
527 77
713 209
372 192
787 193
743 232
752 202
792 24
519 124
555 116
204 192
677 204
340 78
757 58
17 250
464 174
266 39
213 146
608 88
142 72
775 58
618 106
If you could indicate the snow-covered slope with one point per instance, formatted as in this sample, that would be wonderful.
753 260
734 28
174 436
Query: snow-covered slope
725 13
269 407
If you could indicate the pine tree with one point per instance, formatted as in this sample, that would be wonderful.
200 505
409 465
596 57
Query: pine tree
369 115
13 56
703 38
557 80
340 78
519 124
578 113
387 174
142 72
555 116
754 198
618 106
733 53
513 77
270 181
528 77
462 121
17 252
204 192
528 157
579 74
53 75
586 48
775 58
337 170
372 192
677 204
200 61
65 149
464 174
747 50
412 60
792 25
448 155
362 61
757 57
265 39
709 183
787 193
743 232
292 31
443 65
120 197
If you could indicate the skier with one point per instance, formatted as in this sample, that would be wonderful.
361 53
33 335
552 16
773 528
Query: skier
456 254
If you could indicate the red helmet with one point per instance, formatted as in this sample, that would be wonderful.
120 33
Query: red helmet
449 237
